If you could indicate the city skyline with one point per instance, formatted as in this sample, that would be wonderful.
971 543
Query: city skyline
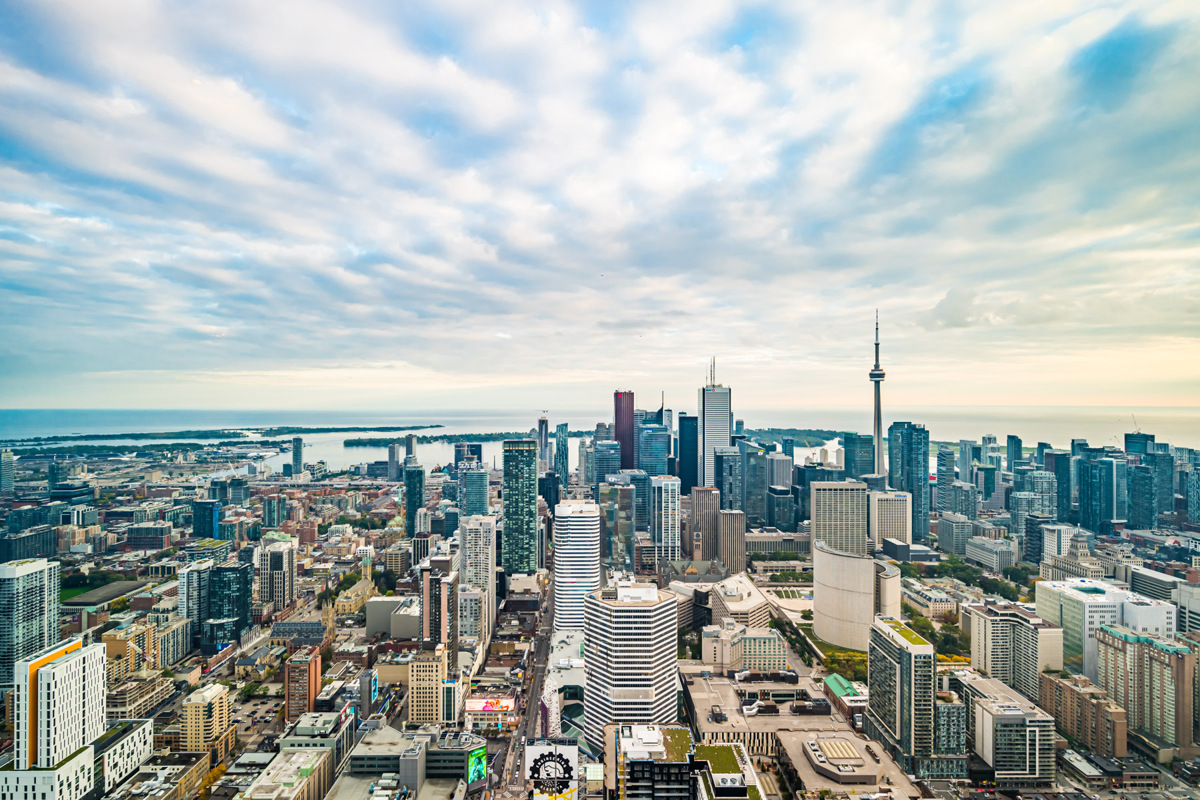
534 203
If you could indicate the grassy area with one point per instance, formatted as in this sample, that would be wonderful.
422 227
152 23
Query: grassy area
67 594
825 647
720 758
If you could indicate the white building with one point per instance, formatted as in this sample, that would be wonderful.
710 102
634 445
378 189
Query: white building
1012 644
715 423
994 555
478 570
664 517
576 560
739 599
194 601
631 658
732 646
29 604
849 591
890 517
839 516
779 469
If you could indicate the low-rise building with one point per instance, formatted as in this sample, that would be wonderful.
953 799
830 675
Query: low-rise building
994 555
329 730
739 599
732 646
294 775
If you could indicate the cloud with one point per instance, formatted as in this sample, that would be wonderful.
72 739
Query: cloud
565 196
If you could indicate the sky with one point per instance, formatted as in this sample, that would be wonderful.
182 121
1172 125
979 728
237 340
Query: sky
461 204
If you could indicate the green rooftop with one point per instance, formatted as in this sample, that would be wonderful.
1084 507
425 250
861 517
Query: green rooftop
720 757
677 741
840 686
908 634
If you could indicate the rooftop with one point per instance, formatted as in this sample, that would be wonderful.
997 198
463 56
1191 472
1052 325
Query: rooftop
905 632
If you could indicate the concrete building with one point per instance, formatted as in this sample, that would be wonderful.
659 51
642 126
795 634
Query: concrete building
930 601
576 559
428 675
664 517
301 682
208 722
839 516
1076 563
1012 644
706 502
954 531
29 601
1016 739
630 632
277 575
732 646
715 428
994 555
1085 713
478 571
1153 679
439 605
731 540
889 516
1080 606
739 599
294 775
849 591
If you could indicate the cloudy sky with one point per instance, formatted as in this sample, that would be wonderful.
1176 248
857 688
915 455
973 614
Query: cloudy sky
481 204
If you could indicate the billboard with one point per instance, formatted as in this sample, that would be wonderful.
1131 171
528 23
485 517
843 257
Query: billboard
476 705
553 768
477 766
374 686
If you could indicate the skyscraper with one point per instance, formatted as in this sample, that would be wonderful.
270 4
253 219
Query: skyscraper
7 473
908 444
478 565
706 502
414 496
1103 493
779 469
576 560
839 516
1058 463
439 606
29 606
394 461
276 575
543 439
297 455
859 456
473 491
562 453
889 516
520 542
630 639
195 594
755 482
617 516
608 459
731 540
1143 504
715 418
1139 442
787 446
688 452
410 449
232 594
1014 452
877 376
945 476
654 446
664 517
58 706
727 476
623 427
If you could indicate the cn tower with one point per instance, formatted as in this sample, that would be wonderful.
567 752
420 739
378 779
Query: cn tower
877 378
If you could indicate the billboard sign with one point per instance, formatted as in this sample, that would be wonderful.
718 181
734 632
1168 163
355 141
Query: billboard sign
477 766
476 705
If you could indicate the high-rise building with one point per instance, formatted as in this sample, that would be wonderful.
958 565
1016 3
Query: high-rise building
617 517
1153 679
954 531
466 451
839 516
576 560
623 428
520 541
473 500
1059 463
562 453
1011 643
889 516
478 566
57 708
195 594
901 673
781 508
715 420
654 446
706 502
1103 493
607 458
731 540
393 462
414 496
231 595
755 481
664 517
945 477
630 641
859 456
727 467
779 469
877 376
1014 452
849 591
908 470
29 604
1011 735
206 519
7 473
688 452
208 722
1192 484
1139 442
301 682
439 607
543 439
277 574
427 680
1163 466
1085 713
297 455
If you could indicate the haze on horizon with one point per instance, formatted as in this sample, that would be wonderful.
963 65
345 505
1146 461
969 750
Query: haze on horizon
467 204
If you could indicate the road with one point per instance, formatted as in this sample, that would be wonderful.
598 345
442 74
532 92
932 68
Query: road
535 676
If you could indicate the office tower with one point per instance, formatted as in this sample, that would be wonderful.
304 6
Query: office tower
394 461
617 517
208 722
297 455
908 444
630 641
623 429
664 517
576 560
520 543
781 508
859 456
727 472
549 489
195 594
7 473
901 672
1084 712
640 482
966 449
1011 643
1143 504
57 708
1103 494
1152 679
779 469
639 419
688 452
543 439
877 376
277 574
706 502
607 461
731 540
755 480
29 604
1192 485
654 445
1035 536
439 607
414 496
945 477
954 531
410 450
1013 452
1162 465
889 516
839 516
427 678
301 682
465 451
472 491
562 453
1139 442
232 593
715 415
